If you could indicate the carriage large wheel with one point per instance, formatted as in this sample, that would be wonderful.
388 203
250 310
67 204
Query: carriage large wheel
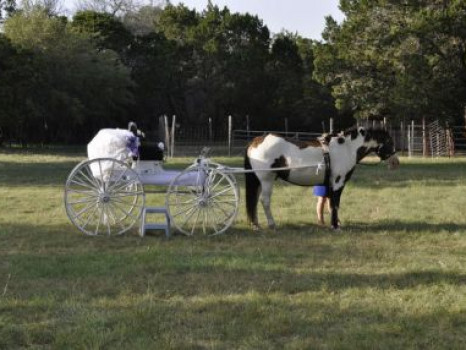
103 196
202 200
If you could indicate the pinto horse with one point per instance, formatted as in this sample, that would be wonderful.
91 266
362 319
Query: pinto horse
329 160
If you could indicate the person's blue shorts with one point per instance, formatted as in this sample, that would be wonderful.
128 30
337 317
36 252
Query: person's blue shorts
320 191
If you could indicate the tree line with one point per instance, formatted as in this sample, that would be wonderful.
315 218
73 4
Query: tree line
62 78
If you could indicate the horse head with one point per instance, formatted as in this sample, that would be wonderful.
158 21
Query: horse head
381 143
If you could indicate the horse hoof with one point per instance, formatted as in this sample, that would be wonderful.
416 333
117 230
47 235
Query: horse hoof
255 227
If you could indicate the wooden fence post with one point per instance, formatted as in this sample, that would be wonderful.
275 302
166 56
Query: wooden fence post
172 148
409 141
161 131
230 130
402 136
167 134
210 130
424 138
412 137
450 142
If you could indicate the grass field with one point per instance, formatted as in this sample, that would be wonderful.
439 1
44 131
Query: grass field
394 277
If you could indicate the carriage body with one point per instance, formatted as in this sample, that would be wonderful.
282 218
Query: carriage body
106 194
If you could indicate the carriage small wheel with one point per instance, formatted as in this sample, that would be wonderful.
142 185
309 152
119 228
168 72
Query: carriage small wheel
103 196
202 200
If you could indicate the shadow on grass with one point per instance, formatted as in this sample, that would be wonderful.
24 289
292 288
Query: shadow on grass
65 151
231 264
249 322
373 227
415 227
35 174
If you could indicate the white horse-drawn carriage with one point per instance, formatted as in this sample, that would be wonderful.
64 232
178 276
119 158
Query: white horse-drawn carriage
106 194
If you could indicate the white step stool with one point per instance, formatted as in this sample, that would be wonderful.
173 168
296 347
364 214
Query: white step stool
155 226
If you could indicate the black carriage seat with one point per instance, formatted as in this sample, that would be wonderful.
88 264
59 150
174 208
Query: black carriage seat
150 151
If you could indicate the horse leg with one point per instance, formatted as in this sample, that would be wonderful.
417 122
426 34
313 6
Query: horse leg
334 207
266 195
252 187
254 217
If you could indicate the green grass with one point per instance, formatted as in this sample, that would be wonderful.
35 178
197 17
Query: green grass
393 278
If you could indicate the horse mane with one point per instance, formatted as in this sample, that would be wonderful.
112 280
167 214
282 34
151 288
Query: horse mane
353 131
376 133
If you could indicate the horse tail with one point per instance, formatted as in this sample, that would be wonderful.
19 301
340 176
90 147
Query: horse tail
252 190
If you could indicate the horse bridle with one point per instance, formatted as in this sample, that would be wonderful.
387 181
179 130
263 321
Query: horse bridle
384 156
381 158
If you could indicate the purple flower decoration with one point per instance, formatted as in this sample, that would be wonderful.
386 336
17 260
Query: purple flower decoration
132 145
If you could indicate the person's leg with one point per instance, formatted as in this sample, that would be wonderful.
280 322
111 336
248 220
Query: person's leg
320 210
326 200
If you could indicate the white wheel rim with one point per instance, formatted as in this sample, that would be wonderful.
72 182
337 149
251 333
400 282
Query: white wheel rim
103 197
208 209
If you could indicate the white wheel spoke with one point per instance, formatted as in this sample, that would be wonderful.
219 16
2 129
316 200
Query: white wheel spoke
83 184
84 200
211 219
84 210
109 231
126 203
117 181
220 193
195 222
100 219
121 220
111 171
128 194
193 210
90 177
218 183
222 210
124 211
184 210
184 202
231 203
101 175
90 216
123 187
83 192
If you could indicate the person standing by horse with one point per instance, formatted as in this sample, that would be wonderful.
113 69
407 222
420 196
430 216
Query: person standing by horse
322 193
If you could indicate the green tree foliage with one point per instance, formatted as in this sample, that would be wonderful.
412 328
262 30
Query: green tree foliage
76 86
155 69
222 59
62 80
107 31
396 58
19 82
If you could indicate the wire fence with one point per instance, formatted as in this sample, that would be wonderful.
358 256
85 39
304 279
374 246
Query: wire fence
430 140
410 139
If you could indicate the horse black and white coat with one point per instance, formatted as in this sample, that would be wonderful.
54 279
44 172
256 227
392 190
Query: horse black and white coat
338 152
